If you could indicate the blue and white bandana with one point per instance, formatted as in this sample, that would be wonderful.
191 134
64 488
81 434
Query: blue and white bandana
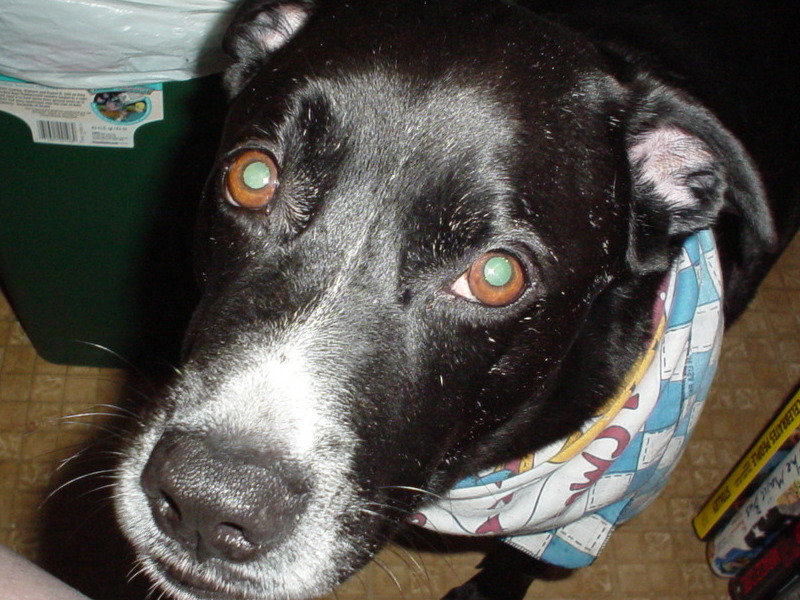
561 503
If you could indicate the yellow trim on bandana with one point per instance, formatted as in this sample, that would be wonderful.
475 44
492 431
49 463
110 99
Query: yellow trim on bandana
579 440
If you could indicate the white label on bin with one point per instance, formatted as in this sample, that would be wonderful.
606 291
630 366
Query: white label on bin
105 118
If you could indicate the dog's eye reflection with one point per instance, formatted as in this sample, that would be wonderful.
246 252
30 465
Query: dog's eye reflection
251 179
495 279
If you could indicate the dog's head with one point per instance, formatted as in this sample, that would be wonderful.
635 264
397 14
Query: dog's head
429 226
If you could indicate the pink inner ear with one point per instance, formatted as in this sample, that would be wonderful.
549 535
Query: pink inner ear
282 26
664 157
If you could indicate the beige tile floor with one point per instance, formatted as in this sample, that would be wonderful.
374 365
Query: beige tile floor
655 556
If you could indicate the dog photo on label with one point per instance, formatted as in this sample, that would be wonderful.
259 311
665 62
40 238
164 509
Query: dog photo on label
465 266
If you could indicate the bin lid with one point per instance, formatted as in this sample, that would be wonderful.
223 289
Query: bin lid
108 43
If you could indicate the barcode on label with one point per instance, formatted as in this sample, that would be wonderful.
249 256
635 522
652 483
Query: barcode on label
57 131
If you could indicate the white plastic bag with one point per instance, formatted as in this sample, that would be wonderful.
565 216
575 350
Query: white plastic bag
110 43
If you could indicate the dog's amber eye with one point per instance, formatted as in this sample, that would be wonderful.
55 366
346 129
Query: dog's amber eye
495 279
251 179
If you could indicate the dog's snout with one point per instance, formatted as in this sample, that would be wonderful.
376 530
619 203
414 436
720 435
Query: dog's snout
221 501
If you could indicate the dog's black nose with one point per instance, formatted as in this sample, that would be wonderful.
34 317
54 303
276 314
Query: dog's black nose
222 500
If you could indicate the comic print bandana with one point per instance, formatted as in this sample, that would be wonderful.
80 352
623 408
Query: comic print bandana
561 503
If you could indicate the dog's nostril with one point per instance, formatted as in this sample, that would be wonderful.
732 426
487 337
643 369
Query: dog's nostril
231 540
170 505
168 510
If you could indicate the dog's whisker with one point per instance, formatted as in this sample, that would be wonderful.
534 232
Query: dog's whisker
64 462
98 489
129 364
112 432
362 581
88 453
380 517
416 565
389 507
71 448
371 513
87 419
118 408
404 554
419 542
74 480
409 488
96 420
386 569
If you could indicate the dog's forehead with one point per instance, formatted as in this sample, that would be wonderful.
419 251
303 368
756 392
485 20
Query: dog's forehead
446 44
385 116
429 37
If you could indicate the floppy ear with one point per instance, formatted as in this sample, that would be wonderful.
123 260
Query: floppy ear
686 169
259 28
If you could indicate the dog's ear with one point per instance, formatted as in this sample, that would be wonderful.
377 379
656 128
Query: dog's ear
687 168
259 28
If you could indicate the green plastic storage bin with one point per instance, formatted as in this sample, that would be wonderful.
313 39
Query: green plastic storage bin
95 242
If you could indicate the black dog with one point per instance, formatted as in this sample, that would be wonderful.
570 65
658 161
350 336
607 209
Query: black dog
439 236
